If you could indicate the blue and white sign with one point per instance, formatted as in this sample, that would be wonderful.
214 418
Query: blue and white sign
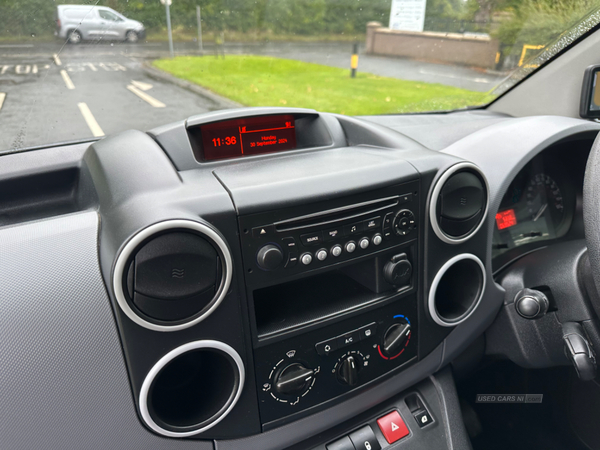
408 15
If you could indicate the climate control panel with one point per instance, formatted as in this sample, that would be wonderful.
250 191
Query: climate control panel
300 372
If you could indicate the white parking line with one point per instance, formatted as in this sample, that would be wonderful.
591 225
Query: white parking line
2 97
90 120
67 79
146 97
57 60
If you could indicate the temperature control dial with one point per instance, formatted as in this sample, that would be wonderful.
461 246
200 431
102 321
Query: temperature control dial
395 339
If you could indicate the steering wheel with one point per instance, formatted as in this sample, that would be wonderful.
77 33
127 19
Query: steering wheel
591 216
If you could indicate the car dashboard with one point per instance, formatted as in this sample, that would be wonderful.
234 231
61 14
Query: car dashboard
268 277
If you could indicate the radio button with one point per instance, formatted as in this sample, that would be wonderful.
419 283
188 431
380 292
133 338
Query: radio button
350 246
289 243
312 238
336 250
306 259
406 198
364 243
387 233
372 224
292 260
388 220
332 234
353 229
264 231
367 331
348 339
326 347
321 254
377 239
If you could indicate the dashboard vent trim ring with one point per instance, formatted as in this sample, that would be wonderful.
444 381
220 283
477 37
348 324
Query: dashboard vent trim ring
162 362
123 259
433 219
436 281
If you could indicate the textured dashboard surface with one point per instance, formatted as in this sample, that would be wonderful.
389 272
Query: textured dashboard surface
63 382
437 131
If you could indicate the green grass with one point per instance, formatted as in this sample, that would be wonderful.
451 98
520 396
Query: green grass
267 81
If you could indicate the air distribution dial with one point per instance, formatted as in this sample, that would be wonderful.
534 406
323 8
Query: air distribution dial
293 379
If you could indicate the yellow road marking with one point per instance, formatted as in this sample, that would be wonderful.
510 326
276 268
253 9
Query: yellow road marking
67 79
57 60
2 97
90 120
146 97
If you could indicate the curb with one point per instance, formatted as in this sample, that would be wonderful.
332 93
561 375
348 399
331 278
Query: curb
219 101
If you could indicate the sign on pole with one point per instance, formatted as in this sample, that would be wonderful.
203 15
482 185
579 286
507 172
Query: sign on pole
408 15
167 4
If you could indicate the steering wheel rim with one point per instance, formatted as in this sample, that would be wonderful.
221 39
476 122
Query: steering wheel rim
591 215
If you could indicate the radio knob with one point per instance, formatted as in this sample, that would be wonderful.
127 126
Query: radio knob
377 239
322 254
294 379
350 246
363 243
269 257
394 338
347 372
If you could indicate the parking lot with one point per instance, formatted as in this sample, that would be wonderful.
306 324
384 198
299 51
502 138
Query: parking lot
50 92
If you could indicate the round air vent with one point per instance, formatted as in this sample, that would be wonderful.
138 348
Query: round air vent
172 275
191 388
459 203
456 290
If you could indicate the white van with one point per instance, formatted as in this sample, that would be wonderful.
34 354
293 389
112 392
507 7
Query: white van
82 22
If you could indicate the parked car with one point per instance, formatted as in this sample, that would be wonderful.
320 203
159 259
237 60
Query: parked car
84 22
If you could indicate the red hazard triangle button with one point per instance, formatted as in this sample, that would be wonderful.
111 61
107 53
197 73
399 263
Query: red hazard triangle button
393 427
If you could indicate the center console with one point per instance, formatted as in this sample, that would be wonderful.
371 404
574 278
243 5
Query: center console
332 294
272 268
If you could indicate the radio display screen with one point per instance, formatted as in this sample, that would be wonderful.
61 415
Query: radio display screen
248 136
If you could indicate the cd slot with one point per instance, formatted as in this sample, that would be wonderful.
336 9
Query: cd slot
337 214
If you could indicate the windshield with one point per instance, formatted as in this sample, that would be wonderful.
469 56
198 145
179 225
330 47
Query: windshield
83 69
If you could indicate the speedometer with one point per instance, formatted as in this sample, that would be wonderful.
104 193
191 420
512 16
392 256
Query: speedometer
544 198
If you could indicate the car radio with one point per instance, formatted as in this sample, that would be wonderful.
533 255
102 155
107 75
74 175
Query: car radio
277 245
332 291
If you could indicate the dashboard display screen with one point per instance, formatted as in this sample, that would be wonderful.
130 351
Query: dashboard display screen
506 219
248 136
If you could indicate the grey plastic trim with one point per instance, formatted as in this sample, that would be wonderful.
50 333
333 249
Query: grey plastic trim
436 281
162 362
130 247
434 199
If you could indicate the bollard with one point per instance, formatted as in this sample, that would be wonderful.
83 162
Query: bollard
354 60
